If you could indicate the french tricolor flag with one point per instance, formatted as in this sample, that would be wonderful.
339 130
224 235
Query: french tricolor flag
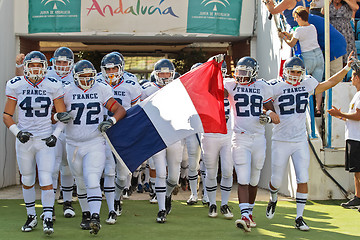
190 104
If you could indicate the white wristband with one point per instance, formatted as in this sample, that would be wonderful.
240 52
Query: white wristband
59 128
19 65
268 112
113 120
14 129
55 117
347 68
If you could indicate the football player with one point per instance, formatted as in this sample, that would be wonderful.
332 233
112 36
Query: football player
85 144
127 92
215 145
63 61
171 156
289 138
35 95
248 96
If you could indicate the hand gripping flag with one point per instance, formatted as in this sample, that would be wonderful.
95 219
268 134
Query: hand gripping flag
190 104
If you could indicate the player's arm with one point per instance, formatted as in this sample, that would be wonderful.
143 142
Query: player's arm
285 4
270 111
335 79
19 71
119 113
336 112
61 114
9 111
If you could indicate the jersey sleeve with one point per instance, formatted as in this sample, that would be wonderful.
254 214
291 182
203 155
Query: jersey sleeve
312 83
106 93
59 90
268 92
136 94
10 90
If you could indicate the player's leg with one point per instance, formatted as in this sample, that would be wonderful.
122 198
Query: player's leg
93 167
173 158
194 151
211 150
205 198
301 161
241 153
109 185
45 159
226 183
257 163
25 156
160 183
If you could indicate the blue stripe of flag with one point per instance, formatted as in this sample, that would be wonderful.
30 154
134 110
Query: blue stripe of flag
135 138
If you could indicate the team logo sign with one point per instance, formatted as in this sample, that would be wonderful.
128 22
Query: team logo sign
214 16
45 2
214 2
54 16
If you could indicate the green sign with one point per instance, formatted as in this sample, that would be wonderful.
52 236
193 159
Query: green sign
54 16
214 16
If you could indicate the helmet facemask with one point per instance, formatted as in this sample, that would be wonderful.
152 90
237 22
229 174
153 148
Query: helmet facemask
35 73
243 74
63 65
85 82
289 77
112 77
162 80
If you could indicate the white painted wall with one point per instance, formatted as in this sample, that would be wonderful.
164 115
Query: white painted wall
7 70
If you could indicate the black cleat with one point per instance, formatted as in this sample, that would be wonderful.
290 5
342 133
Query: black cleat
168 205
30 223
161 216
85 222
95 223
270 210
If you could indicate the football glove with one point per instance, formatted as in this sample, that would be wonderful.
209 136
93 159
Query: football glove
63 117
50 141
24 136
105 125
264 119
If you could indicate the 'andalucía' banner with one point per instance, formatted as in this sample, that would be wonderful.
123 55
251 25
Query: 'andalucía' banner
214 16
54 16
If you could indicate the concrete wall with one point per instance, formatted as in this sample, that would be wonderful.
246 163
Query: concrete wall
7 70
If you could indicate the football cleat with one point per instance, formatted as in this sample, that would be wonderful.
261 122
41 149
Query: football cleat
126 193
168 205
30 223
243 223
153 199
192 200
270 210
301 224
212 211
117 207
48 226
225 210
252 222
161 216
205 200
53 215
352 203
112 218
69 211
95 223
85 221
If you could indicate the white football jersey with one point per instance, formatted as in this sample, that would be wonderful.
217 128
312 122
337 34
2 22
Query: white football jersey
247 103
51 73
148 89
127 92
35 103
290 104
87 111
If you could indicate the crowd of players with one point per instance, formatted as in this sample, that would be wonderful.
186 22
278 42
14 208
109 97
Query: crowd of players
64 111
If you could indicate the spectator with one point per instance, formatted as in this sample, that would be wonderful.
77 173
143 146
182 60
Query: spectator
340 13
352 137
312 56
285 7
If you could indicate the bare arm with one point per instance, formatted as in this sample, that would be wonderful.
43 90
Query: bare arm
9 111
288 38
113 106
285 4
59 105
352 4
335 79
335 112
274 117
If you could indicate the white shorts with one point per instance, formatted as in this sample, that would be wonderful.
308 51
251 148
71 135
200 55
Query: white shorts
248 152
281 152
35 153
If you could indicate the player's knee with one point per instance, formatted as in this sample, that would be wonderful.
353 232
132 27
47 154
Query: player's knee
211 174
45 178
28 180
255 177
